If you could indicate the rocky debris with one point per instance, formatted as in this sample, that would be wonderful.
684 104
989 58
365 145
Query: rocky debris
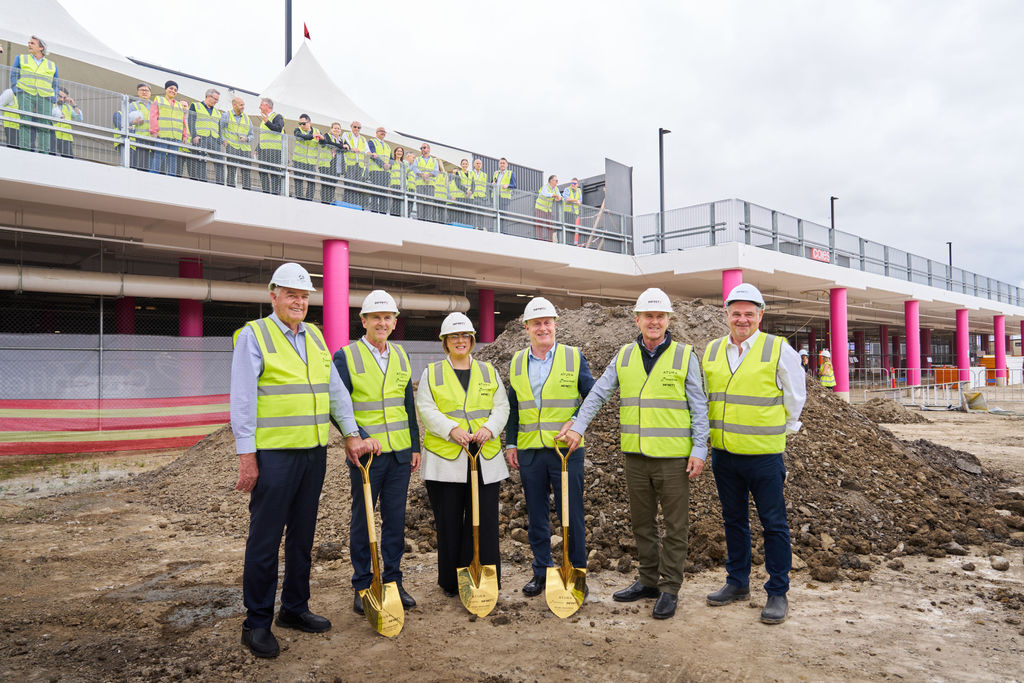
887 411
856 495
1000 564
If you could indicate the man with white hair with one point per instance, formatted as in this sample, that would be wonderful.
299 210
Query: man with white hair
34 82
756 390
270 143
204 122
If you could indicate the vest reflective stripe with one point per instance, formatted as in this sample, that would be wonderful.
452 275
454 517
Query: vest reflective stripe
307 151
63 128
400 168
573 194
207 124
479 182
383 152
541 420
12 114
36 79
441 186
327 152
746 408
142 131
543 202
827 375
170 119
292 397
470 408
356 143
270 139
427 165
237 128
654 413
504 179
378 398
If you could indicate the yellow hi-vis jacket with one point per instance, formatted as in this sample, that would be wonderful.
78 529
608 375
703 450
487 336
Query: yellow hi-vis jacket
826 375
293 403
170 119
470 408
36 79
746 408
541 418
654 414
378 398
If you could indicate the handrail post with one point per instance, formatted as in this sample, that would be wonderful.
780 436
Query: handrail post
126 146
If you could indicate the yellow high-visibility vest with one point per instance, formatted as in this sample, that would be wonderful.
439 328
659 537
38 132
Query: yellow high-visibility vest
36 79
238 127
826 375
270 139
307 151
378 398
479 182
470 407
541 418
576 194
10 112
207 124
504 179
654 413
63 128
170 119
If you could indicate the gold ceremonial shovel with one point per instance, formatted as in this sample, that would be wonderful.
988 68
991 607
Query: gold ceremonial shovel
478 584
382 604
565 587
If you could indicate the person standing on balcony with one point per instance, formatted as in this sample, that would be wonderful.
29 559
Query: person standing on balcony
34 82
504 181
427 169
9 109
572 200
378 164
400 171
478 194
204 121
138 127
331 147
270 146
306 157
543 209
168 123
65 110
355 164
826 375
236 131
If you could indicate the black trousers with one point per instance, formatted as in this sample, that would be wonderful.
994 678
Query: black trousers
270 163
197 163
379 202
238 156
287 495
305 183
453 519
354 194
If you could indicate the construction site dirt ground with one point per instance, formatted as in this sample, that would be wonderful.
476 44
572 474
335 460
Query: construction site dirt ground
97 584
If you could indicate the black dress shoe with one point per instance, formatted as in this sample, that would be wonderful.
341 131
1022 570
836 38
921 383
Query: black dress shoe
357 604
635 592
407 600
307 621
665 607
728 593
260 641
535 586
450 594
775 610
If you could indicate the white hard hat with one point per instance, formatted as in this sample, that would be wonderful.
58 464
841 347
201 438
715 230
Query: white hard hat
539 307
745 292
825 353
803 352
379 301
653 300
456 322
293 276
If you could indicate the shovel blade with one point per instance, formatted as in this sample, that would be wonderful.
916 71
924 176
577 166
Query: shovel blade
479 598
565 596
384 612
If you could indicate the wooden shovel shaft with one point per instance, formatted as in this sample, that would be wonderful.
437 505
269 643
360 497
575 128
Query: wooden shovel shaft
474 567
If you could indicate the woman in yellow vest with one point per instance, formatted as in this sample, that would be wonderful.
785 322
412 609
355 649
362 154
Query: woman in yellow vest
826 375
400 170
544 206
461 400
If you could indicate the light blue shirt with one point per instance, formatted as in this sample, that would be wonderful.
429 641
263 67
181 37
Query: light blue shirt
246 368
381 358
538 369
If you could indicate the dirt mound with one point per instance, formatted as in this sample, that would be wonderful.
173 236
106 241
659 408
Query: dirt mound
887 411
855 492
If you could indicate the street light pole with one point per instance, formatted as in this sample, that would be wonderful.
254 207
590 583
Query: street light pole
662 132
287 31
832 231
950 246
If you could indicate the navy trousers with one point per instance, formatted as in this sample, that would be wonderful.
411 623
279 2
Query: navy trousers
287 494
389 484
541 472
762 477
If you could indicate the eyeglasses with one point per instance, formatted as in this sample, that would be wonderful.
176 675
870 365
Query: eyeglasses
357 127
424 148
460 335
575 183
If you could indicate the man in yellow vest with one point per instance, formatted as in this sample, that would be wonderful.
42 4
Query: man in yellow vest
427 168
503 182
354 165
168 123
270 144
478 197
664 430
378 374
138 127
306 157
547 383
378 173
236 131
756 390
66 110
572 200
284 392
204 121
34 82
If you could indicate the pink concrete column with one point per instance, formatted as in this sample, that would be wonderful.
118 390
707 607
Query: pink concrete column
730 278
840 345
485 315
896 351
999 323
926 349
963 344
335 294
912 320
883 347
858 349
124 315
190 311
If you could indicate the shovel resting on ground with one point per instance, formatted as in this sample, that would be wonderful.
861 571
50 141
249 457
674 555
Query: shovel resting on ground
382 604
478 584
565 587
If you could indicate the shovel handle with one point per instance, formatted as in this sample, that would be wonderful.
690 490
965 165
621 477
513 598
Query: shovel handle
371 528
565 498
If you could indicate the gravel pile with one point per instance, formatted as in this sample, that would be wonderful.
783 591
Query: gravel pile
887 411
857 495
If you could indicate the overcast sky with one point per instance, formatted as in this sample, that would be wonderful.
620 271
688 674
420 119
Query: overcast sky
909 111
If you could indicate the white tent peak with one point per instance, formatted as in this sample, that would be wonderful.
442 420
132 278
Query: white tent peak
56 27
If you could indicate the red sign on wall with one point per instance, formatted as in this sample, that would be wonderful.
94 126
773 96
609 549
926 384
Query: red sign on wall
820 255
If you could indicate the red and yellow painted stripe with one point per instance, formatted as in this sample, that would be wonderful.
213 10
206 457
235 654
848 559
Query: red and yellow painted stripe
36 426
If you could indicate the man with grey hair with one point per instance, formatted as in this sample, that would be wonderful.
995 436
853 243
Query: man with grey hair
204 122
34 82
236 131
270 146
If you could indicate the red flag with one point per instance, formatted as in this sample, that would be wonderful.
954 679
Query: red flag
305 31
